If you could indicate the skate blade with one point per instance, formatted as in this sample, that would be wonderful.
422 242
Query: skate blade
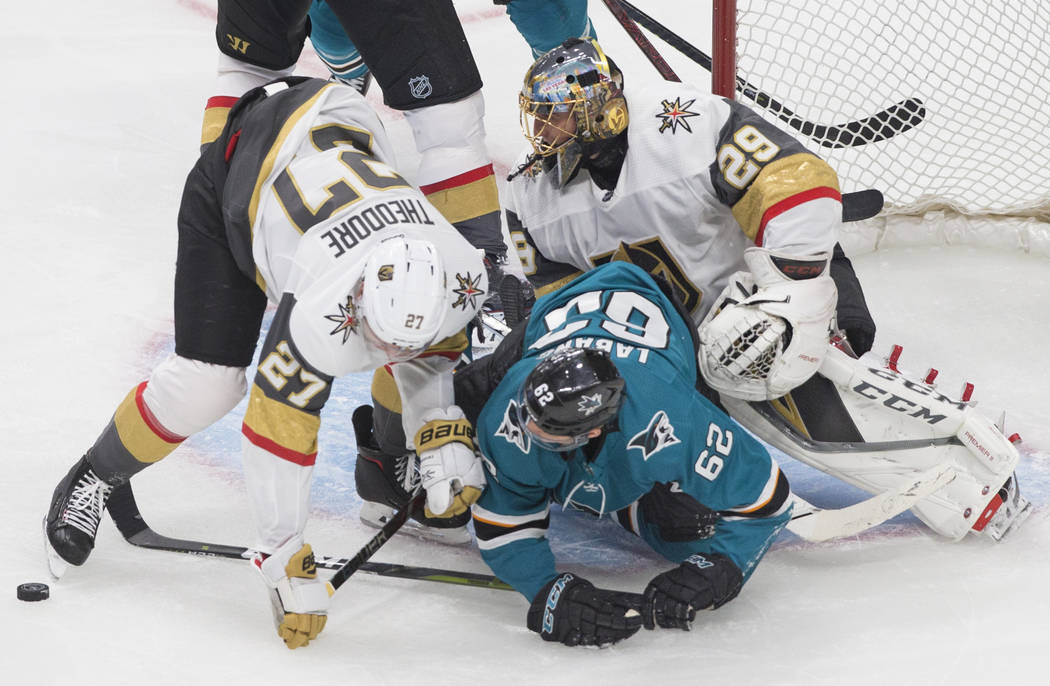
55 564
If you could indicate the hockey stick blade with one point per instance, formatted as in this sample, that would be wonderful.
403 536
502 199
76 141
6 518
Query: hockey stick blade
822 525
903 116
124 511
861 205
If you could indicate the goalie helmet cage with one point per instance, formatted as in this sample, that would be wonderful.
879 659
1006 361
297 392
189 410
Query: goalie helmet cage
975 170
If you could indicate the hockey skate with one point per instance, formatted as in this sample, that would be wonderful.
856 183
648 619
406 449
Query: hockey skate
72 521
1006 512
384 482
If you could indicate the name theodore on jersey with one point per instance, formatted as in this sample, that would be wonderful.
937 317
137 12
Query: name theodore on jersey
359 226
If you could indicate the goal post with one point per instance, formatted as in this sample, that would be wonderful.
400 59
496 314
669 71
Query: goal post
977 160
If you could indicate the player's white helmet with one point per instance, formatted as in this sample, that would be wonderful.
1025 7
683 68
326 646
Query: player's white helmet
403 296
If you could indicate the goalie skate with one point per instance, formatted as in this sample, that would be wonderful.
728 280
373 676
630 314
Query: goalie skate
1006 511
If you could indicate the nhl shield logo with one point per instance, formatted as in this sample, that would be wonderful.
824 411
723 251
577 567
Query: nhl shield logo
420 87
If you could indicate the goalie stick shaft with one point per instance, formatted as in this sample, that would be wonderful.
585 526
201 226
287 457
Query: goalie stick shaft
124 511
897 119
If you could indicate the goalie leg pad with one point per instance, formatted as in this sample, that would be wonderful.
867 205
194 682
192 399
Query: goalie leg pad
907 427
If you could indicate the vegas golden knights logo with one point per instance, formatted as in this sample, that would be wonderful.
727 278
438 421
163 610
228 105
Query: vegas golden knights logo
238 44
386 272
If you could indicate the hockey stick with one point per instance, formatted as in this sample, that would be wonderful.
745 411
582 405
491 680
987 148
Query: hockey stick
643 43
887 123
814 524
133 527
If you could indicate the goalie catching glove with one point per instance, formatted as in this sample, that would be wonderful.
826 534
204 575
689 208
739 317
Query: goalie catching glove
572 611
449 469
768 332
300 600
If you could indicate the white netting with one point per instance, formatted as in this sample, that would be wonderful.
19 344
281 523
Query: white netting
981 70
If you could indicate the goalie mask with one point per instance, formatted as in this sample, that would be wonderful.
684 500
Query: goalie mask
569 394
572 104
403 297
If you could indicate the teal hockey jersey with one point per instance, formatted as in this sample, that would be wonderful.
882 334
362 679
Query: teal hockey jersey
666 432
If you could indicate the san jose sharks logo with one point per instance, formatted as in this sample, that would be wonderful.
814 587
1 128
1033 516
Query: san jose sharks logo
657 436
512 430
676 114
589 404
468 291
347 319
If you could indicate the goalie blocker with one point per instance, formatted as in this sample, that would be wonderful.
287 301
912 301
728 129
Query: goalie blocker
874 426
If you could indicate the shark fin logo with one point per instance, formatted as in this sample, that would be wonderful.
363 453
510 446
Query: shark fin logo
657 436
511 430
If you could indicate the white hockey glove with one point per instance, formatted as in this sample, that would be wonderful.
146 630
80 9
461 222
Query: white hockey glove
449 469
300 600
768 331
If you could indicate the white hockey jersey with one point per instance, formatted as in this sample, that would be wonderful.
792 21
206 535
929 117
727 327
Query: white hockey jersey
305 205
703 179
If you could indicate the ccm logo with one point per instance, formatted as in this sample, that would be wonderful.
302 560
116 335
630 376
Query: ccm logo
799 269
802 271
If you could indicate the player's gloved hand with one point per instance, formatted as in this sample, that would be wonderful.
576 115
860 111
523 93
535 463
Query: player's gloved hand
699 583
449 469
678 516
300 600
572 611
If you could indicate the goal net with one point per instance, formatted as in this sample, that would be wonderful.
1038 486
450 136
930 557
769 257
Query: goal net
943 105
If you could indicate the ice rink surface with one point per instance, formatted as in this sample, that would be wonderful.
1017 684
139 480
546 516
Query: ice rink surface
100 125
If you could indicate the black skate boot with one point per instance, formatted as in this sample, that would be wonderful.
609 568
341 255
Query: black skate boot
72 522
384 482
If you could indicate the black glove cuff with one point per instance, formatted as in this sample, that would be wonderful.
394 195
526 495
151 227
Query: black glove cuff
541 617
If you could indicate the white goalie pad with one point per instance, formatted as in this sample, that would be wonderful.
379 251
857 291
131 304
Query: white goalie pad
906 428
766 333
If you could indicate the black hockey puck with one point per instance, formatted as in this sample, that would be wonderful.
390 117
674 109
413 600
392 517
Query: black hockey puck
33 592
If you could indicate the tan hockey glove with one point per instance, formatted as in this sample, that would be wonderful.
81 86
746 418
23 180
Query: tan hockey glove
449 469
300 600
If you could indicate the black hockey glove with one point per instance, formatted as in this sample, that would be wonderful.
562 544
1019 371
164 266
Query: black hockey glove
699 583
678 516
572 611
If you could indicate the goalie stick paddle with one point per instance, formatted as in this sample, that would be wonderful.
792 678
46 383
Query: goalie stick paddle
901 117
814 524
124 511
